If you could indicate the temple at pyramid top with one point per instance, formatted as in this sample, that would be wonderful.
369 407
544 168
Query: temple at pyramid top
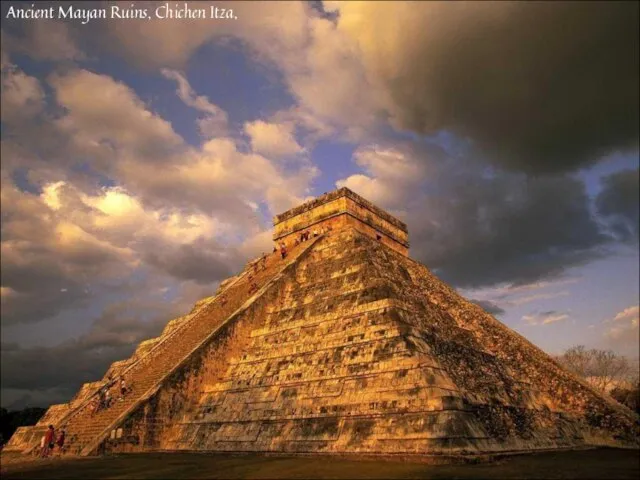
337 210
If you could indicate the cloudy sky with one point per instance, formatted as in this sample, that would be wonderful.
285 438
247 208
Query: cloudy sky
142 161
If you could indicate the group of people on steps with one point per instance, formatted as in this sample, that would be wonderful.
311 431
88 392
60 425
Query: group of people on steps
304 236
104 399
49 442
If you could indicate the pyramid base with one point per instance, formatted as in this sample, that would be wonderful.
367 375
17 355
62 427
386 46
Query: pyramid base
426 459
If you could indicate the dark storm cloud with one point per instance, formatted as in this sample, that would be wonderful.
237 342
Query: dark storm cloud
63 368
202 261
17 399
49 40
618 203
66 366
127 323
540 86
42 277
505 229
47 302
479 226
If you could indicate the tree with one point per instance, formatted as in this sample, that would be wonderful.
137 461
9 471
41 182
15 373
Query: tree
576 359
604 369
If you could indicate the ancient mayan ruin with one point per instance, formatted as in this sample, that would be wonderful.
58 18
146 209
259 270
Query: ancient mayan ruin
346 346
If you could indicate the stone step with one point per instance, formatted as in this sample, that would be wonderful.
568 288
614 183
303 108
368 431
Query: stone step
160 361
336 282
331 260
378 290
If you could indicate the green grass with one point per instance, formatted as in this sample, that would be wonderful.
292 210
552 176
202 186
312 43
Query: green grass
605 463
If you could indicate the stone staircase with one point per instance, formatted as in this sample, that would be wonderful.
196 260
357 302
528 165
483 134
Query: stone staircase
87 429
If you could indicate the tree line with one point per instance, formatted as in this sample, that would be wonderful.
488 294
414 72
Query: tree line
606 371
11 420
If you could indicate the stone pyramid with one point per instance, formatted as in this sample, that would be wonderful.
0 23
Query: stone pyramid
346 346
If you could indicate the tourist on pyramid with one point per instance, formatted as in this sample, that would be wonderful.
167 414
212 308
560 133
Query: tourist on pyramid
107 399
49 439
60 441
102 401
93 406
123 388
283 250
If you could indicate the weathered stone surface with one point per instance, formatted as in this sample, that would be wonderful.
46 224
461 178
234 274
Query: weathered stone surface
346 347
338 210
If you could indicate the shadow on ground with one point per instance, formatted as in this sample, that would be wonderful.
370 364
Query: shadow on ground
586 464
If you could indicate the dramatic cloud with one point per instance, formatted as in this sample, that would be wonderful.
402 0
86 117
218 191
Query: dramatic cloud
44 40
393 176
216 178
215 122
511 76
499 300
476 227
545 318
523 300
196 218
506 229
44 375
62 246
272 139
628 313
203 261
504 292
541 86
319 64
44 252
116 122
618 203
622 330
22 95
126 142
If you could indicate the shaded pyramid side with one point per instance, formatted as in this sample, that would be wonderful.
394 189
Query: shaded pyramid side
357 349
515 372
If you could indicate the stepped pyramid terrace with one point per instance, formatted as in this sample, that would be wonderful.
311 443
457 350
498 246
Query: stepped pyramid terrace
346 346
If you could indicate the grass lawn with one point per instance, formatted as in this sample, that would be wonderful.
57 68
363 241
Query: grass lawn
604 463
